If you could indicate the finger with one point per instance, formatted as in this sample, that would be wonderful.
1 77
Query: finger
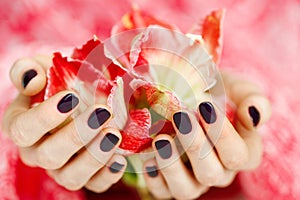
44 60
25 127
254 111
231 148
173 170
207 168
77 172
254 144
108 175
238 89
155 181
58 148
28 76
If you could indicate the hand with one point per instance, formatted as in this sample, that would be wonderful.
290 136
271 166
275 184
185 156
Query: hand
48 136
236 147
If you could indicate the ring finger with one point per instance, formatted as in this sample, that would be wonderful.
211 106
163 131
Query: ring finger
76 173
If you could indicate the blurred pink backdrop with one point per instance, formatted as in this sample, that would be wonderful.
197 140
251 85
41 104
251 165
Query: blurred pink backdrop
261 43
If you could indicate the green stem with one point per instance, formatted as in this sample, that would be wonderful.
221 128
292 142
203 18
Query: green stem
134 176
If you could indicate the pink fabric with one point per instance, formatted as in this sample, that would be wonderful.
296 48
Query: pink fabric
261 42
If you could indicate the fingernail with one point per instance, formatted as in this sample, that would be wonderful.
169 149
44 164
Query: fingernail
108 142
67 103
164 148
30 74
182 122
98 117
152 171
208 112
116 167
253 112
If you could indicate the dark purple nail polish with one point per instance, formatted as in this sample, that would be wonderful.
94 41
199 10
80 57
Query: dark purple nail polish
208 112
254 114
152 171
98 117
108 142
164 148
30 74
115 167
182 122
67 103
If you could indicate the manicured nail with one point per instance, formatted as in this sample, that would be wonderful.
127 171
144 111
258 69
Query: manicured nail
253 112
30 74
116 167
152 171
208 112
98 117
164 148
182 122
67 103
108 142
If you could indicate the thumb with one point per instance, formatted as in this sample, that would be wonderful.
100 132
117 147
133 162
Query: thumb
29 74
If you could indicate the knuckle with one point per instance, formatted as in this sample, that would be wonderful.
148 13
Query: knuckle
97 189
69 182
46 159
186 194
17 134
235 162
210 179
161 194
74 136
27 160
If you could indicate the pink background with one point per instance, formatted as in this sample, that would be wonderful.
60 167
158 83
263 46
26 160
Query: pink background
261 42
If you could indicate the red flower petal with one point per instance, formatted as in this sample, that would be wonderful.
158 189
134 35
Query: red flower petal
164 103
135 135
162 127
138 19
211 31
60 75
86 49
78 76
93 53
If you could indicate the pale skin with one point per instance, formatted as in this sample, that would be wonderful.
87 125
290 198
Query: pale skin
64 155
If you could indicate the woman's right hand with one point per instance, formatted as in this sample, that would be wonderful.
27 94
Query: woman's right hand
78 154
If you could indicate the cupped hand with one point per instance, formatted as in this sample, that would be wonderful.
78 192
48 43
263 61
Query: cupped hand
215 149
76 151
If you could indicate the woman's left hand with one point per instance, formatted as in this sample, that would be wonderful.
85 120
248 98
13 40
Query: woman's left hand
234 148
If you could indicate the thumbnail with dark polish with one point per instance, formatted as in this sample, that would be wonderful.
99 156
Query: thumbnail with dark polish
208 112
98 117
108 142
152 171
253 112
164 148
67 103
30 74
115 167
182 122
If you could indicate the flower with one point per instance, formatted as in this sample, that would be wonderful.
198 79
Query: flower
145 72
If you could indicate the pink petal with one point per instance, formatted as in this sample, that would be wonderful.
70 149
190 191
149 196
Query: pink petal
116 102
124 32
177 62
